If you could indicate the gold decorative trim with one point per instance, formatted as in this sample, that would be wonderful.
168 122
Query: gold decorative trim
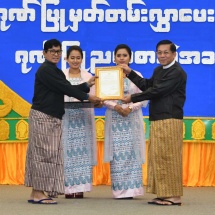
13 101
100 129
6 107
199 141
144 127
198 130
204 118
22 130
184 129
13 141
4 130
213 131
14 118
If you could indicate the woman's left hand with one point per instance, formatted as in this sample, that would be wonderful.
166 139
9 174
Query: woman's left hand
126 111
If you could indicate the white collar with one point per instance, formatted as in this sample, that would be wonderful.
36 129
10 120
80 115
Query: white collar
169 65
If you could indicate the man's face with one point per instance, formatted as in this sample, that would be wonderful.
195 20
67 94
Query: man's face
53 54
165 55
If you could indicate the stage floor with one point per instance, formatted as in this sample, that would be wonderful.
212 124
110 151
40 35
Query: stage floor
196 201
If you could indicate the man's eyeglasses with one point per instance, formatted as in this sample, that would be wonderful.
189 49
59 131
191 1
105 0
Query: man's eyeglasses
53 52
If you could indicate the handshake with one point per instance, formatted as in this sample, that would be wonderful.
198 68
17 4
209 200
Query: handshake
96 101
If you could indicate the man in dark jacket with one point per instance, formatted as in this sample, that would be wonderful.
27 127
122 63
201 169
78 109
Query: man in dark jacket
44 161
166 90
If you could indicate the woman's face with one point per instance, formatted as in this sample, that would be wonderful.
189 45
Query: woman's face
74 60
122 57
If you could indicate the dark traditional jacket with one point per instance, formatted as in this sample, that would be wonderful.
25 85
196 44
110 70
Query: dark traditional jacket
50 87
166 90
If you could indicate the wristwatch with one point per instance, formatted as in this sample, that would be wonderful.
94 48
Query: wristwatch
130 108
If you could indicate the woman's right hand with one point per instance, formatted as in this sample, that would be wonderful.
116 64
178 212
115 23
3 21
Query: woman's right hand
118 109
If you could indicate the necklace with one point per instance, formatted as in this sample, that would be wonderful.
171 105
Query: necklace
74 74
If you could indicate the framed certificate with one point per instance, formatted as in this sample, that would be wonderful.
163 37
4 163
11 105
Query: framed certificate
109 84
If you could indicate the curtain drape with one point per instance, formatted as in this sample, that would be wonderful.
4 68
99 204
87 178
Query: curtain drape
198 164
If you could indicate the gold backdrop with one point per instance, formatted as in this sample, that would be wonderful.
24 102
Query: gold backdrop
198 153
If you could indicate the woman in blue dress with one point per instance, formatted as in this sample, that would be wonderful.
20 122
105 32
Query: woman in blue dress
125 137
79 138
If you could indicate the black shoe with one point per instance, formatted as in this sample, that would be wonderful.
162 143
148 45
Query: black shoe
70 196
79 195
125 198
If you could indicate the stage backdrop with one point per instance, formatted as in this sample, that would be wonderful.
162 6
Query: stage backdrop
98 26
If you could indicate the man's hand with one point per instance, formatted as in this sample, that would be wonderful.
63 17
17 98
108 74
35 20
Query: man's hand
100 105
126 99
91 81
126 68
94 99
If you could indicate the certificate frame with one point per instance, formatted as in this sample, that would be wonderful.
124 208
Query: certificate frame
109 84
